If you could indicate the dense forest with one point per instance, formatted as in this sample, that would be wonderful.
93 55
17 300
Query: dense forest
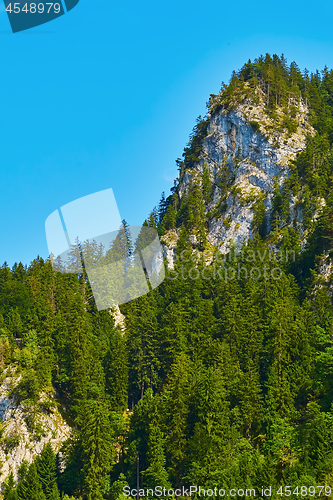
223 377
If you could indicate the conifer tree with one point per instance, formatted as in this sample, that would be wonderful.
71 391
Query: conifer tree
156 472
116 372
98 451
175 416
46 469
210 442
9 489
142 335
31 486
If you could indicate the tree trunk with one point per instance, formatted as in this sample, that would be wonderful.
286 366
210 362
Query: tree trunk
137 477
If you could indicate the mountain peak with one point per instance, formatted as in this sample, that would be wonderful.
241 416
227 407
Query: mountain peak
240 155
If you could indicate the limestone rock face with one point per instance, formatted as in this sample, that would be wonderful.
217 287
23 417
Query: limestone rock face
170 243
260 166
251 150
119 318
25 430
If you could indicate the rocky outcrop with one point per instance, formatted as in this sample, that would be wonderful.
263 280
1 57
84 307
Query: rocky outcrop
253 151
119 318
25 429
170 243
249 143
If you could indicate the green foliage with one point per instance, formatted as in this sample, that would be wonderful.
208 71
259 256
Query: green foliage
193 149
116 490
28 388
98 452
11 441
255 125
9 488
31 486
206 185
227 222
46 469
259 223
116 371
280 205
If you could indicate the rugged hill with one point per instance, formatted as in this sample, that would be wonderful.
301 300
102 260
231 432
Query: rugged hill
27 428
241 159
222 376
245 156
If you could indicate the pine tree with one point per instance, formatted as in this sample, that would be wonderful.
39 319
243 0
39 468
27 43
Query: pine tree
175 414
156 472
142 337
170 217
138 435
161 210
55 494
31 486
116 372
9 489
210 443
281 328
46 469
98 451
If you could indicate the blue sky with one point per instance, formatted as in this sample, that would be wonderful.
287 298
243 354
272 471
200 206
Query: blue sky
107 95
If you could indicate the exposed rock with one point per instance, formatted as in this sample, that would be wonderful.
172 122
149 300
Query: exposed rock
325 268
24 429
170 243
255 157
119 318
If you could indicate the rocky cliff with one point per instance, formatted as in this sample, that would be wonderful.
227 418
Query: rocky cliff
26 428
246 154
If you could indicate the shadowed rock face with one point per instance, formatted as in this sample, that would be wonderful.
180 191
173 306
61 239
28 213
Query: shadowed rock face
5 402
255 156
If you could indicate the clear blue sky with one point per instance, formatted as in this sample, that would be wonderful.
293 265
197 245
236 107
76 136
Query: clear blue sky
107 95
